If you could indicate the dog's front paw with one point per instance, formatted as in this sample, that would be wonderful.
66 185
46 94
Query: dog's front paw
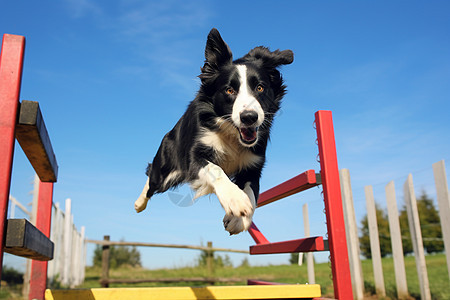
235 201
236 224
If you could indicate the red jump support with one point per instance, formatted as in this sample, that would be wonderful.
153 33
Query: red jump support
11 65
257 235
333 206
38 280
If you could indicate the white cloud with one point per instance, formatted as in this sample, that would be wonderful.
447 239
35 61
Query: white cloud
81 8
161 20
162 38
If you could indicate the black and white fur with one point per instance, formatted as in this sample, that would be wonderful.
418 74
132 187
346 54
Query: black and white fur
219 144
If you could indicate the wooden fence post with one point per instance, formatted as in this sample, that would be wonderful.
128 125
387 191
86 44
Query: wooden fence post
82 250
396 242
374 242
54 264
440 179
309 255
210 261
65 276
75 258
105 263
416 237
60 240
351 229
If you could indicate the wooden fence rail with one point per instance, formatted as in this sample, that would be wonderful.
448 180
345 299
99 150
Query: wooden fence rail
106 243
139 244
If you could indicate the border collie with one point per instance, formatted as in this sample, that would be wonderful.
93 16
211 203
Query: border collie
219 144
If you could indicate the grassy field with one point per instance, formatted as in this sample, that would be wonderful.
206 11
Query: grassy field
436 266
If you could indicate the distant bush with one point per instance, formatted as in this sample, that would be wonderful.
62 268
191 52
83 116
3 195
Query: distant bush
118 256
11 275
218 260
245 263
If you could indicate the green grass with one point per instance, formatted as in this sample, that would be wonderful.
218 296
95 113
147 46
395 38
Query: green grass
436 267
283 274
11 292
437 276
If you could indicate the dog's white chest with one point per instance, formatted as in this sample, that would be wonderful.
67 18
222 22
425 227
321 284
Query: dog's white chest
232 164
231 155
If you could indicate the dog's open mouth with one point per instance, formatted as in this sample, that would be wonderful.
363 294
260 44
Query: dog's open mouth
248 134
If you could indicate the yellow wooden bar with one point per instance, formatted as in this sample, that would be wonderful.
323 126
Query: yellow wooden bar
190 293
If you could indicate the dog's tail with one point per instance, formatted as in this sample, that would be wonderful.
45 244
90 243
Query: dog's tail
148 170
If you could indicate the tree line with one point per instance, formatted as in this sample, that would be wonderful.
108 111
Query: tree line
429 223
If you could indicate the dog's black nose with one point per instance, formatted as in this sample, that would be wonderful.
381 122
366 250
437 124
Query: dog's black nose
249 117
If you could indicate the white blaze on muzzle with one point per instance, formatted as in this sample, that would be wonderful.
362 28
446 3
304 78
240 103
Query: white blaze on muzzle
245 104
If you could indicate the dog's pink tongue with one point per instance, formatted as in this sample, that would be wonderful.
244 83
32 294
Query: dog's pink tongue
248 134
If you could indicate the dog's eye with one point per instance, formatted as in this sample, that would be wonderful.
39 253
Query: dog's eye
260 88
230 91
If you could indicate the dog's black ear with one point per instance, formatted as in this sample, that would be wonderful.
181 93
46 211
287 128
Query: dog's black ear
271 59
217 54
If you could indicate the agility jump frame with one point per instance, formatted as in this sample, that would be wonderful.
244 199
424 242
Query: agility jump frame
329 178
336 243
24 122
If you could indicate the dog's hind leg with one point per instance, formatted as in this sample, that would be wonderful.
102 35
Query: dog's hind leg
141 202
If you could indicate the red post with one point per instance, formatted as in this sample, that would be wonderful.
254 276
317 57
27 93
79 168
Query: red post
333 206
11 65
257 235
38 280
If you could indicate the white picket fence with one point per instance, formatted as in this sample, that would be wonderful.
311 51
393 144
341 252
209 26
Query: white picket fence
69 257
443 199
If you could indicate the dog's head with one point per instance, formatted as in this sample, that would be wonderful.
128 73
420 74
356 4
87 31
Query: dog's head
246 92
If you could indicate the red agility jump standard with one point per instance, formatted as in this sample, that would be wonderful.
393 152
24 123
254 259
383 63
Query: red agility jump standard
24 122
329 179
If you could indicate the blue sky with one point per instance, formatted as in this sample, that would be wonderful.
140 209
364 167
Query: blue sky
112 77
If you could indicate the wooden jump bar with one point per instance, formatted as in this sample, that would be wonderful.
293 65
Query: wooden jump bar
33 137
23 239
308 244
289 291
294 185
